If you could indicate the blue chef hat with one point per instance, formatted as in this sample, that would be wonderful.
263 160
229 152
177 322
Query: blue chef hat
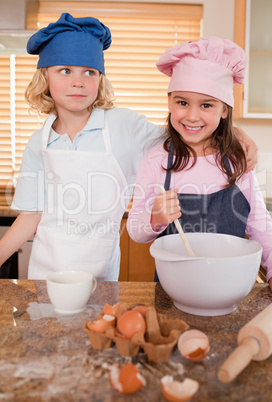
72 42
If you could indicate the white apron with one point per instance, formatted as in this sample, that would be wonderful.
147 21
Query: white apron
79 228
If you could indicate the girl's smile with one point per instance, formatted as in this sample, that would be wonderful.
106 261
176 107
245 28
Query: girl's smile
192 129
195 117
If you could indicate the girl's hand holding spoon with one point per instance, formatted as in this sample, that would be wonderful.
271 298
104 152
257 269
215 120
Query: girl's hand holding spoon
169 212
166 209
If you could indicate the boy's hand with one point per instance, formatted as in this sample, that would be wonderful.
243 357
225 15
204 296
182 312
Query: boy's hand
165 210
249 146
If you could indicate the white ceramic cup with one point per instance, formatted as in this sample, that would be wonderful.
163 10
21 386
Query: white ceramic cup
69 291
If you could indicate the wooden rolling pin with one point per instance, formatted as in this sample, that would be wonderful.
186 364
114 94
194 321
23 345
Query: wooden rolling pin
255 343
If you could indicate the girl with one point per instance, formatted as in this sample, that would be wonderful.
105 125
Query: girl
200 163
78 171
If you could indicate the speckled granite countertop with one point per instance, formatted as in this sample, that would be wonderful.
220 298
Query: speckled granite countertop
46 356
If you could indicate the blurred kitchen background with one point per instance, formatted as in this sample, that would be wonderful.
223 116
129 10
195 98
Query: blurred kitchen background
141 31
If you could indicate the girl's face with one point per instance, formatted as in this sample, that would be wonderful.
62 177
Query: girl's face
195 117
73 88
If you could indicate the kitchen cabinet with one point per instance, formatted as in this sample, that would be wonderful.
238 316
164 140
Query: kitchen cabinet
253 32
136 262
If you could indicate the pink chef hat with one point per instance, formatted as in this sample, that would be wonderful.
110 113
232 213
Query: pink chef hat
209 66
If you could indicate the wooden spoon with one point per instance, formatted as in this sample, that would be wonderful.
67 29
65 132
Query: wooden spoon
180 231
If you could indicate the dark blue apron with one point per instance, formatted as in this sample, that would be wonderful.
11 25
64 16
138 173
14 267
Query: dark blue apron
225 211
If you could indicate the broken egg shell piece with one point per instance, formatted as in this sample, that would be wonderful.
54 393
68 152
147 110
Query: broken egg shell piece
193 345
176 391
111 310
100 324
127 380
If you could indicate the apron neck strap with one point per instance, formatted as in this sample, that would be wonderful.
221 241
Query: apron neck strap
46 129
106 137
169 165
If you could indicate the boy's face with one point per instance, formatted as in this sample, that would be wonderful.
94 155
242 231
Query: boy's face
73 88
195 117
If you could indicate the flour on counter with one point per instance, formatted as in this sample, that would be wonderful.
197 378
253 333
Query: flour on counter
38 311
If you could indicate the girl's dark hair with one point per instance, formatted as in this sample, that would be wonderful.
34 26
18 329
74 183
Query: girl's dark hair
223 139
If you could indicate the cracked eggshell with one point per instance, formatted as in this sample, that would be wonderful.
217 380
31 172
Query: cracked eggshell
101 324
158 339
111 310
193 345
127 380
176 391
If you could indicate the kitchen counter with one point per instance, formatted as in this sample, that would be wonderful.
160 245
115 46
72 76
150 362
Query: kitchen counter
8 212
45 356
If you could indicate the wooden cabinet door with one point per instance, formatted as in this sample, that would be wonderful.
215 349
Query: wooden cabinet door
239 39
253 32
136 262
124 247
141 263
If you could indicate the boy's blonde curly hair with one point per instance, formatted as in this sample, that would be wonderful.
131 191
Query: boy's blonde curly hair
38 96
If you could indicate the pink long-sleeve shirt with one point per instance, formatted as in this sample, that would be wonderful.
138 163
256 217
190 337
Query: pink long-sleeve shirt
203 178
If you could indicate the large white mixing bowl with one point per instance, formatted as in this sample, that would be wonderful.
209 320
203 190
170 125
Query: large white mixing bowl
214 282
